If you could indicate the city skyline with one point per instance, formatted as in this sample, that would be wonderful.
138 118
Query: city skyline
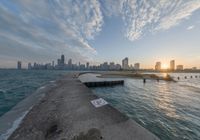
164 64
98 31
67 64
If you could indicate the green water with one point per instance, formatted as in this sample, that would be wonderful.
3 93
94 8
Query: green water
15 85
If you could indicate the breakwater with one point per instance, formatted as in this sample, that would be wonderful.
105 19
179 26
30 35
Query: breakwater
104 83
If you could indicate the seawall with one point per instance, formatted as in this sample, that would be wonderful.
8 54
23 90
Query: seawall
66 113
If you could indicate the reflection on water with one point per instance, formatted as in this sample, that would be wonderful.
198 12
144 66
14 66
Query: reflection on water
169 110
165 101
164 74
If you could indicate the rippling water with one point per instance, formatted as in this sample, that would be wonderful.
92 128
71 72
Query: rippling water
15 85
169 110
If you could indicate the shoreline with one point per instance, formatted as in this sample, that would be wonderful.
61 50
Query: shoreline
67 113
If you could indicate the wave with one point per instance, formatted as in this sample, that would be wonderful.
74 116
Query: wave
192 88
18 112
42 87
15 125
2 91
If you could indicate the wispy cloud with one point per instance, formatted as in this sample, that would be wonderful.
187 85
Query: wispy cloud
160 15
190 27
48 28
142 16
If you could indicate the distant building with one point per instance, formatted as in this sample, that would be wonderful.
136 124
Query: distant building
137 66
61 63
131 67
82 66
48 66
87 65
29 66
53 63
194 68
179 67
118 66
112 66
125 63
19 65
172 65
70 63
104 66
58 62
35 64
158 66
62 60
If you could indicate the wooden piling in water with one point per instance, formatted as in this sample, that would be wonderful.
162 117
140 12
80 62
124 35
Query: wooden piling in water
185 77
144 80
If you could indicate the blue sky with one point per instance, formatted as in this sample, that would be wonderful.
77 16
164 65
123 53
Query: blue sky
146 31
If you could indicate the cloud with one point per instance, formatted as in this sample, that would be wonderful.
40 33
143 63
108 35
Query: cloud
46 29
190 27
143 16
111 7
159 15
49 28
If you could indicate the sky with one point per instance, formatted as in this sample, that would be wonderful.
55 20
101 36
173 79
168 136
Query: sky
145 31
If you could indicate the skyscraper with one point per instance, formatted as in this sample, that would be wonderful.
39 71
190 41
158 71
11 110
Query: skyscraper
70 63
62 60
53 63
58 62
179 67
87 65
137 66
19 65
29 66
105 66
125 63
158 66
112 66
172 65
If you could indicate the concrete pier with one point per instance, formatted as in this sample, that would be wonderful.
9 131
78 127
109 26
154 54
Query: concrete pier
66 113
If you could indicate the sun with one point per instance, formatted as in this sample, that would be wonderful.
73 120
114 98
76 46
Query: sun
165 66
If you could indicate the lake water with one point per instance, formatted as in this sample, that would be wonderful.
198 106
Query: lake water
169 110
15 85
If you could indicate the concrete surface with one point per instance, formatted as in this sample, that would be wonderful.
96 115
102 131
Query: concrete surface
66 113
